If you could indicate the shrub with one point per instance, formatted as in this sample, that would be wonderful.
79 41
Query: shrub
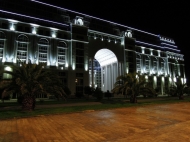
98 94
79 95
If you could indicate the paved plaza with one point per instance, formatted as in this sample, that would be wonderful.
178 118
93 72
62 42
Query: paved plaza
152 123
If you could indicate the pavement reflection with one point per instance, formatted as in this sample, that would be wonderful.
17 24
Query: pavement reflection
152 123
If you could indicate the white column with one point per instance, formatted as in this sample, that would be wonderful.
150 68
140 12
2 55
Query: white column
122 68
109 78
112 74
92 72
106 78
162 85
102 78
119 68
115 72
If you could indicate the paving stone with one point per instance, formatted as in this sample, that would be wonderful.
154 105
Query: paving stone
152 123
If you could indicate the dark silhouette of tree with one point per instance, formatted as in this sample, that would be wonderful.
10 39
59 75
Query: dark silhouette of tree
98 94
29 80
108 94
88 90
133 85
179 89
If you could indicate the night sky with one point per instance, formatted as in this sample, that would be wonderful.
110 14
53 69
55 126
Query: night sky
170 19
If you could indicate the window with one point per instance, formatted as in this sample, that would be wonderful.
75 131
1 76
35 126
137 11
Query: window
80 37
2 44
22 48
80 59
138 63
62 74
155 65
60 35
147 51
176 69
27 29
155 53
147 64
47 33
4 25
162 66
79 55
43 50
79 74
138 49
163 54
79 45
61 53
41 32
20 28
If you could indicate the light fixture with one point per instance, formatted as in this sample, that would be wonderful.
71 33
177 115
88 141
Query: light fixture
53 35
8 68
12 28
55 29
34 30
34 25
13 21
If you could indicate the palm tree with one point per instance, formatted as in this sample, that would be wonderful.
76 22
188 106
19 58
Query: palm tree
28 81
132 84
179 89
121 85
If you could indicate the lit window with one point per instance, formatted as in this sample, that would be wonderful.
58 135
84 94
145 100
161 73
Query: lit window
138 62
22 48
43 51
147 64
2 44
155 65
162 66
61 54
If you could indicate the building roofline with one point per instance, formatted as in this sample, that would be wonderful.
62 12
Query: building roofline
94 17
31 17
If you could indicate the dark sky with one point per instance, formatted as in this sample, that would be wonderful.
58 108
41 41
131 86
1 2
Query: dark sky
169 18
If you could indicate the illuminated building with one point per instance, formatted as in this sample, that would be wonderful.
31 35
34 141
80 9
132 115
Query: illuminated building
83 49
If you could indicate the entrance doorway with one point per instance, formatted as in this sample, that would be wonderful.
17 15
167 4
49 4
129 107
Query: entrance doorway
103 70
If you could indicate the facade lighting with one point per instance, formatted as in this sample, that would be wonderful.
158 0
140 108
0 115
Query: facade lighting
95 18
12 28
53 35
8 68
12 13
169 45
34 25
34 30
147 44
13 21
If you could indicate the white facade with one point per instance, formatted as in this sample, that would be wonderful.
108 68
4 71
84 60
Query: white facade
71 48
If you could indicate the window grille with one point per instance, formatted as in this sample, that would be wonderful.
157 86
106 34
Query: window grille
22 48
61 53
43 51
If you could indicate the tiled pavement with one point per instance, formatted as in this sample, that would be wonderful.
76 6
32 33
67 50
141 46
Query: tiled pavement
153 123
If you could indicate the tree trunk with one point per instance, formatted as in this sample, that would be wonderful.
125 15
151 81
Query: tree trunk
28 103
181 97
133 99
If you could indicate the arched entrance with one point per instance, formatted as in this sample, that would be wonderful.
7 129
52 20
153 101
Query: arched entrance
103 70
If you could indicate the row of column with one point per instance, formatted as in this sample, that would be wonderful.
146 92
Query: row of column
109 73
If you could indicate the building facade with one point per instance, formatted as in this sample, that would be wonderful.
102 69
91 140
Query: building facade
84 50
